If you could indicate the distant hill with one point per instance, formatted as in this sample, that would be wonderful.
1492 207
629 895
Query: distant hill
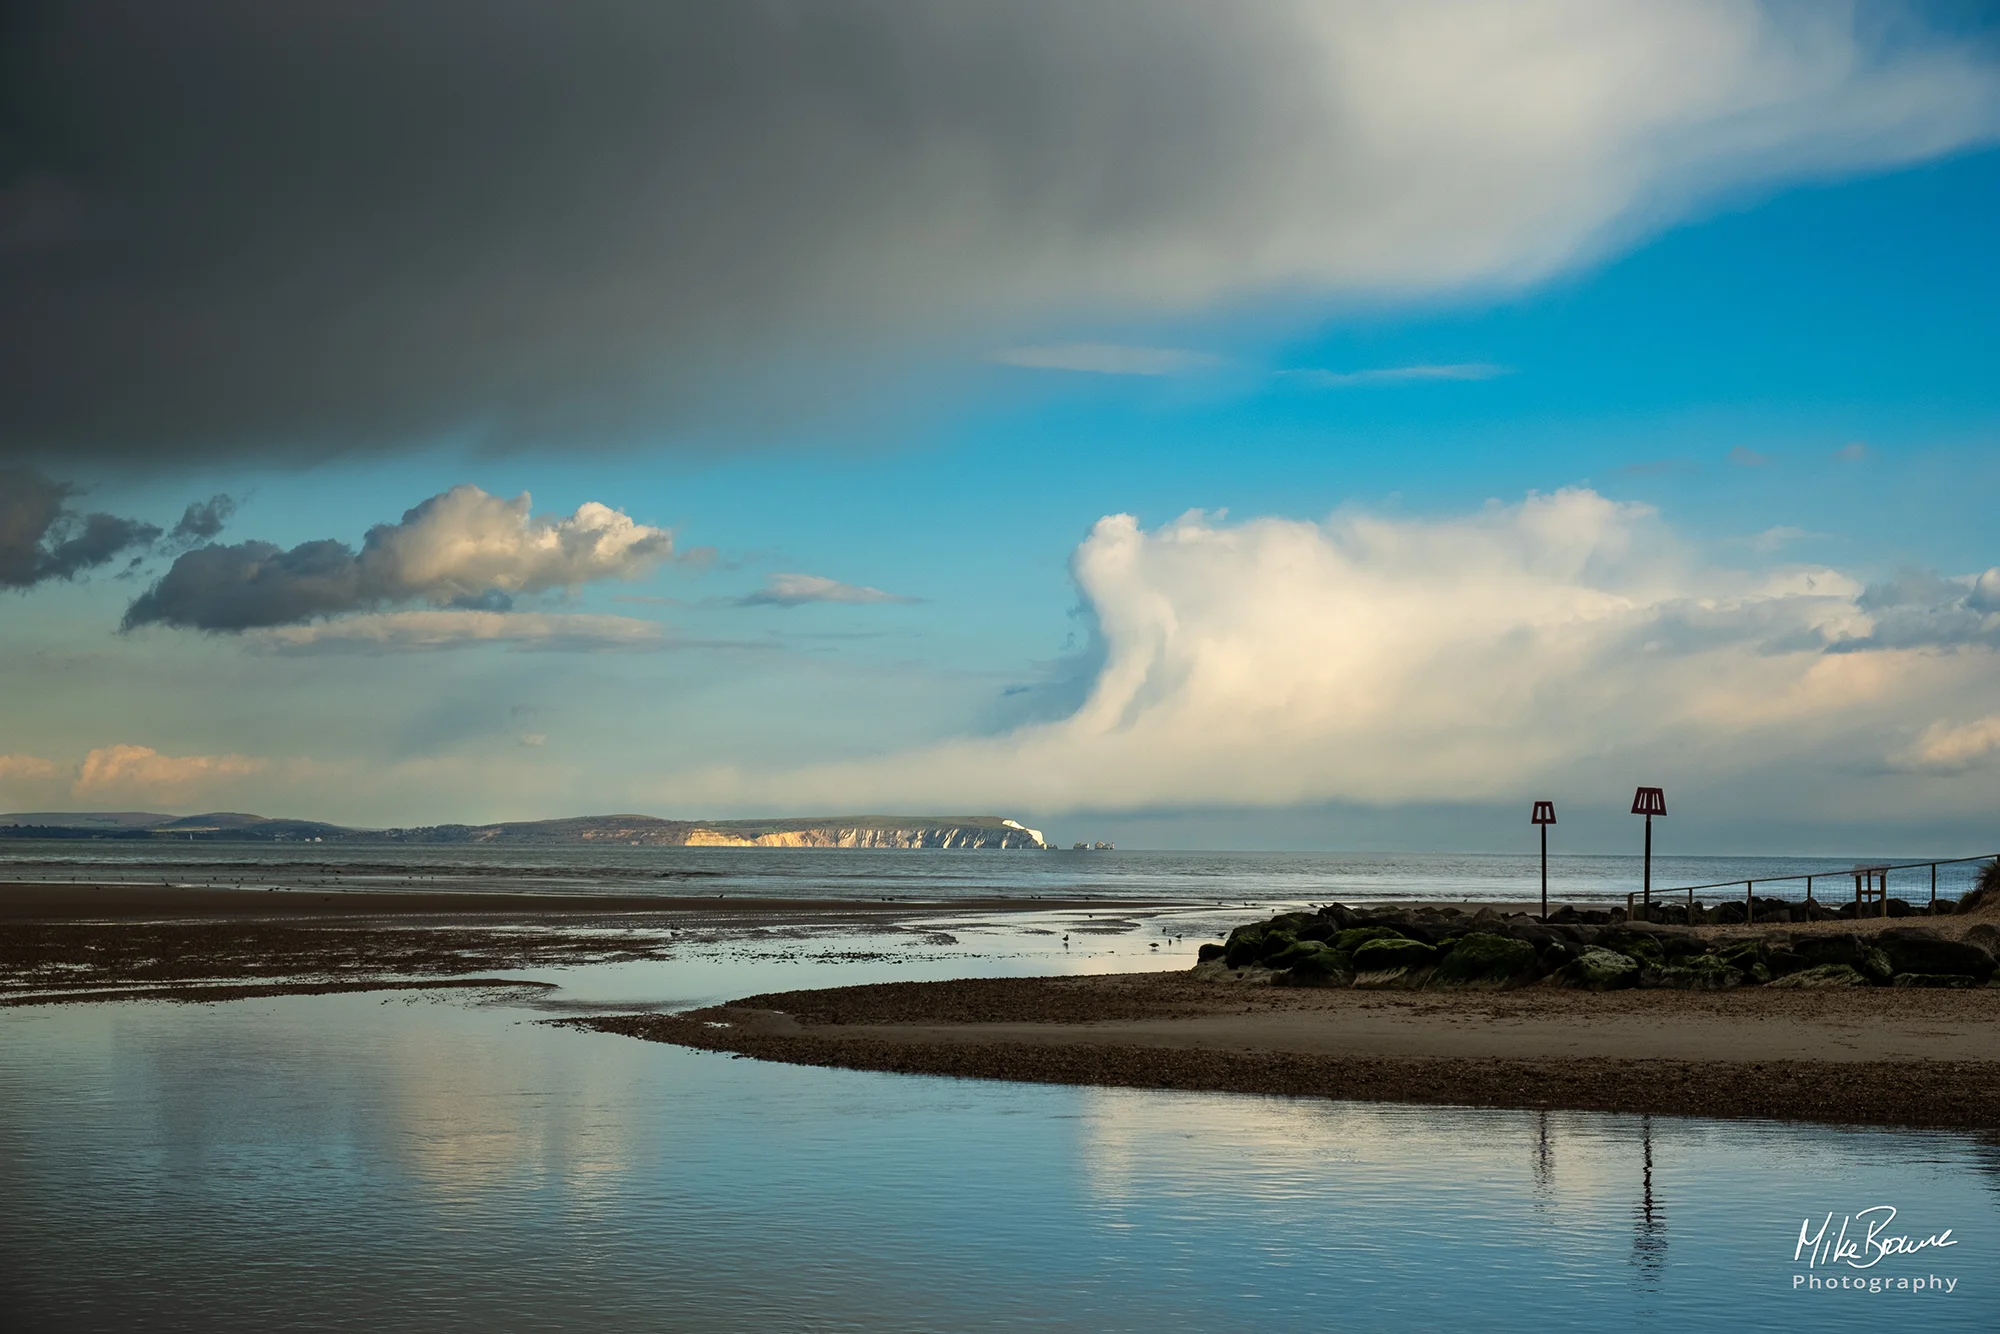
822 831
89 819
217 826
836 831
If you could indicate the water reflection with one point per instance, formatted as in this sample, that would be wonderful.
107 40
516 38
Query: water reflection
1545 1163
1649 1229
421 1163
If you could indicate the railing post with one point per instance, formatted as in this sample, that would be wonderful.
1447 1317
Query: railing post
1808 898
1749 904
1885 891
1934 889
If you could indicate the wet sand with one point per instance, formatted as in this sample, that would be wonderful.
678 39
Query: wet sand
1877 1055
74 943
57 901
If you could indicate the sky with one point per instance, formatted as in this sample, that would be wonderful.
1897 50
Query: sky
1280 425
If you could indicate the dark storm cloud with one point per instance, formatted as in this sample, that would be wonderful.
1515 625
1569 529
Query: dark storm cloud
252 583
42 537
204 519
289 230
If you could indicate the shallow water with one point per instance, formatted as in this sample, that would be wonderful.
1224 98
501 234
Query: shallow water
418 1161
1232 877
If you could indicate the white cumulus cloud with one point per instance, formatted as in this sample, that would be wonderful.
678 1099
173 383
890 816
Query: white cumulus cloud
465 542
127 772
460 546
1944 748
26 768
1564 638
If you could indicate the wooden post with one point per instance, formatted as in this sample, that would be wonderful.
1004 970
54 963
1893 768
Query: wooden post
1545 873
1690 905
1885 891
1934 889
1749 904
1857 894
1628 906
1649 868
1808 898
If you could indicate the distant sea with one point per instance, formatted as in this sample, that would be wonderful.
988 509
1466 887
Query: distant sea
1187 877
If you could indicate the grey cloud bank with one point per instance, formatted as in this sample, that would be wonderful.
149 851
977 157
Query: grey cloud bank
232 230
204 519
43 538
1921 609
796 590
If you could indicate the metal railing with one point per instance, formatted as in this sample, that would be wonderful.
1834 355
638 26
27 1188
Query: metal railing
1870 885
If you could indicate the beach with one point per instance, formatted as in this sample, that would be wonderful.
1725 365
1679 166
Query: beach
1891 1056
1886 1057
74 943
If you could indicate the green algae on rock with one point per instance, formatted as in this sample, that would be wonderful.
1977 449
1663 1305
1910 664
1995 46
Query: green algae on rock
1481 958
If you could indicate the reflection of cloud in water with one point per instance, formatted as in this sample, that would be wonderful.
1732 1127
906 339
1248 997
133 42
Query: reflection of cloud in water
455 1116
1295 1155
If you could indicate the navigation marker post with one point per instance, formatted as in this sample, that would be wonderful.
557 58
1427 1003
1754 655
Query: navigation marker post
1545 815
1649 802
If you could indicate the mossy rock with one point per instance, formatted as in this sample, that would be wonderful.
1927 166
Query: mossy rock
1480 958
1823 975
1321 968
1704 972
1245 947
1600 969
1782 962
1275 943
1294 952
1934 980
1385 953
1852 951
1639 947
1742 953
1680 948
1209 951
1745 959
1915 950
1355 937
